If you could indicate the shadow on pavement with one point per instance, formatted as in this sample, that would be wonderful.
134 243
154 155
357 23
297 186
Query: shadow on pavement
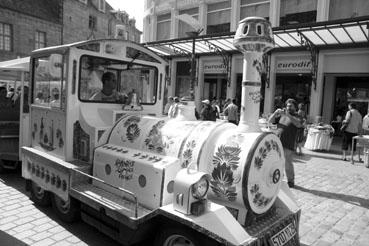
346 198
8 240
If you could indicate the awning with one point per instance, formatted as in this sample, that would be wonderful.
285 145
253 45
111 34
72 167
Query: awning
348 33
11 70
19 64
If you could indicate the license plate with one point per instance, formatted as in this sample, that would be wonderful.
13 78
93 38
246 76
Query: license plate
283 236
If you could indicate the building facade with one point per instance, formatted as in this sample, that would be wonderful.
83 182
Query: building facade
324 81
26 25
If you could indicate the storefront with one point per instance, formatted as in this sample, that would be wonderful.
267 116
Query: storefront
324 66
345 80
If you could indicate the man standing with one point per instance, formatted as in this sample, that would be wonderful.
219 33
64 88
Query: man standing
232 112
287 124
207 111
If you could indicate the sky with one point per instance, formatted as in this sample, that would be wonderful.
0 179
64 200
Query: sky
135 8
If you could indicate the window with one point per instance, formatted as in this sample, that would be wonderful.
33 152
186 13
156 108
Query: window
40 40
184 27
341 9
183 79
254 8
128 82
163 27
49 81
5 37
219 17
102 5
297 11
92 22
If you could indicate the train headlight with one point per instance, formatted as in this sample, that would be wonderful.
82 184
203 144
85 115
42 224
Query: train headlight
190 189
200 188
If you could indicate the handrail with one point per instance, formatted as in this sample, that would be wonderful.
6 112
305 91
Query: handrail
114 187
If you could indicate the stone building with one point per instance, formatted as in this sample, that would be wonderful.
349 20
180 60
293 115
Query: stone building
321 56
26 25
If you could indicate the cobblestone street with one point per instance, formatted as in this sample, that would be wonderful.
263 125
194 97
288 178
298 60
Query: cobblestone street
333 195
22 223
334 198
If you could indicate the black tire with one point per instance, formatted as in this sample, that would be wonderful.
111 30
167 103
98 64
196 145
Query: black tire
40 196
66 211
170 235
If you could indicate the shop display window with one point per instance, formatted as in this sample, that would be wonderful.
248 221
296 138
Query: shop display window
292 86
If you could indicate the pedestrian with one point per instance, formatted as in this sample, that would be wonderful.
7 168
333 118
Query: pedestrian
366 124
288 122
207 111
300 131
232 112
168 104
173 109
351 127
226 103
215 105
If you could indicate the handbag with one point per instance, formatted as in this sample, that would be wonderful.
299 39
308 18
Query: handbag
345 123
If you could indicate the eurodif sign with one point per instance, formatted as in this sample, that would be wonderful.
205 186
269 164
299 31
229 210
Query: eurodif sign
294 66
215 67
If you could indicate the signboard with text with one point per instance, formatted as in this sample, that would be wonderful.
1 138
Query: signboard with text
293 66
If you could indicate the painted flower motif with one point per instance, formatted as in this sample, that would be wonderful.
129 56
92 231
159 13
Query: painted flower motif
254 188
133 132
154 140
227 155
187 156
222 182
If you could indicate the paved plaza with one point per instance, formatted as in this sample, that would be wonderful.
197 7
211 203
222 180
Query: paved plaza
333 195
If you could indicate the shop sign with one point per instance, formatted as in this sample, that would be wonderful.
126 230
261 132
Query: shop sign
294 66
215 67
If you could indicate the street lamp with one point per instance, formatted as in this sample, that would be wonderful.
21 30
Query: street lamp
193 35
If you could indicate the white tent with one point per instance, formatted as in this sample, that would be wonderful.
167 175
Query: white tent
14 70
19 64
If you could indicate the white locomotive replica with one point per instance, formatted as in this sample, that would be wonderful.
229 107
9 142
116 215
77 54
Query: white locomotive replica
134 174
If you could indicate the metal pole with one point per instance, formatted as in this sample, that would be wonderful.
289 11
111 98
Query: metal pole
193 71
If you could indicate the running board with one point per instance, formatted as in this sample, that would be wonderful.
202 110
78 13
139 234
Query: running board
112 205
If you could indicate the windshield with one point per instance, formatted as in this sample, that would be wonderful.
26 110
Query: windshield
49 84
113 81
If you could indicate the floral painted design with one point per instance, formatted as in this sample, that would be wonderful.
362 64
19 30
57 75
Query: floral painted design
154 140
264 151
124 168
226 161
259 200
187 153
133 131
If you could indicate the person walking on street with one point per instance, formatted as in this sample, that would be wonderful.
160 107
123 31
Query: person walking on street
288 122
232 112
351 127
208 112
300 131
215 105
173 110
